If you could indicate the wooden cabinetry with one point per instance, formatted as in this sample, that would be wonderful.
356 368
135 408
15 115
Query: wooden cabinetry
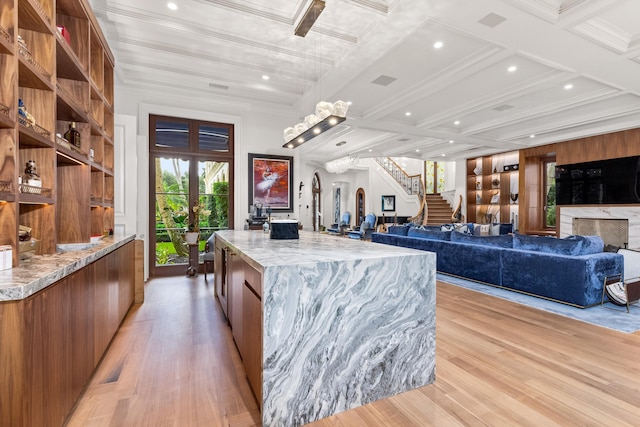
489 188
239 290
54 59
52 341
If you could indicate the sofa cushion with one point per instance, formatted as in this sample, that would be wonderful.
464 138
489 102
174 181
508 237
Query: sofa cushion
572 245
505 241
429 234
398 230
481 229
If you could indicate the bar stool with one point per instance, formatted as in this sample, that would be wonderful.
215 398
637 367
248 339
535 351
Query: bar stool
207 258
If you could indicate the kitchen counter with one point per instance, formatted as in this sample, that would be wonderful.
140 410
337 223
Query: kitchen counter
39 271
344 322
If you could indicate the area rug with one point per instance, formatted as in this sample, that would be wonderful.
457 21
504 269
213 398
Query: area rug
597 315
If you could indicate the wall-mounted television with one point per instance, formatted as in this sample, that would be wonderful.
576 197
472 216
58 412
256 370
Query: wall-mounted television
606 182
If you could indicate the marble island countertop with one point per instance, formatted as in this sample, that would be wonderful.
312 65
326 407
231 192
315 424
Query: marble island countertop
344 322
261 251
40 271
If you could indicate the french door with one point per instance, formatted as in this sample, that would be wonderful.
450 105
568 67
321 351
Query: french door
191 188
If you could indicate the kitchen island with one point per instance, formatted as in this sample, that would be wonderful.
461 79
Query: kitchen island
325 324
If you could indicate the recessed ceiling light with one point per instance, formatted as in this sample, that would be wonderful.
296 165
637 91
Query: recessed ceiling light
172 6
408 113
265 77
333 122
290 145
532 136
451 141
443 155
370 150
316 131
417 150
512 69
457 122
568 86
349 102
438 44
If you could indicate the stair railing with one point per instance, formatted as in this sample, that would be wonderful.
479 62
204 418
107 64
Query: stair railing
412 184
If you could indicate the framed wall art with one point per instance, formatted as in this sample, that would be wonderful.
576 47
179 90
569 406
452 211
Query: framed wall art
271 182
388 203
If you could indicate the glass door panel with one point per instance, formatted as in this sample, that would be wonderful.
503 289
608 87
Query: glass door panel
172 211
213 197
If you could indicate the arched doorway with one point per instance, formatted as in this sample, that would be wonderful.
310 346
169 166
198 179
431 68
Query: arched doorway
360 206
315 203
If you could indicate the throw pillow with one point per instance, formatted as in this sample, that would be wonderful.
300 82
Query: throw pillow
495 230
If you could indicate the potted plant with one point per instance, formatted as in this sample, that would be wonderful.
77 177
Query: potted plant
192 234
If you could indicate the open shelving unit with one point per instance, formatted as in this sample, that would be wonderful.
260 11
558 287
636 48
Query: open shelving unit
61 78
489 188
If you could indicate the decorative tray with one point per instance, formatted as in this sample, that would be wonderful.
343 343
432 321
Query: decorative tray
6 187
37 128
30 189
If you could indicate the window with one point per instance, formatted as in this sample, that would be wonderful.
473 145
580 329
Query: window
549 201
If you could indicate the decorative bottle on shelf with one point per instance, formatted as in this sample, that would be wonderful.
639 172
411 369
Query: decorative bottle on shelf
73 135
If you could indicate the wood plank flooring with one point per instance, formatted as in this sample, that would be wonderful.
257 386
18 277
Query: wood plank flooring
173 363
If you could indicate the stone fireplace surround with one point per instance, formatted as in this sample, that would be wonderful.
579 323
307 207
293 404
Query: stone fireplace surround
631 213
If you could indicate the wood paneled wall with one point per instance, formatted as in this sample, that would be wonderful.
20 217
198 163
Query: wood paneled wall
600 147
51 342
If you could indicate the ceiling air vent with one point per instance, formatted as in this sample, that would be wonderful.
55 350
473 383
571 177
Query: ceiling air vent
492 20
404 139
503 107
384 80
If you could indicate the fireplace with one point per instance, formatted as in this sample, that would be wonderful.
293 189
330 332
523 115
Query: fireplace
613 232
599 216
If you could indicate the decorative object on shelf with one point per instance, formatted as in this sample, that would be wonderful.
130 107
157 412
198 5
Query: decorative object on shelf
4 110
22 46
509 168
73 135
271 181
495 183
495 198
6 257
24 116
495 169
327 115
514 198
478 185
478 198
31 176
91 154
64 33
342 164
24 233
477 170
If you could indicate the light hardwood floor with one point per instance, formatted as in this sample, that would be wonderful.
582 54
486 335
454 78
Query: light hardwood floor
173 363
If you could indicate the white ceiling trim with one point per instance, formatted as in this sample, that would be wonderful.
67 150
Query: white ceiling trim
176 50
603 33
572 122
546 9
274 17
196 30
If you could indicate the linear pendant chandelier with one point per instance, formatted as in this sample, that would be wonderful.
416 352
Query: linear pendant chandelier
326 116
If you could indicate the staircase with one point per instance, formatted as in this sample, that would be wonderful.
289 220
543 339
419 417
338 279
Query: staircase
439 210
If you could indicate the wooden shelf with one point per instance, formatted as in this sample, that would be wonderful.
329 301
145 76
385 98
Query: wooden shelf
6 42
60 79
67 63
32 15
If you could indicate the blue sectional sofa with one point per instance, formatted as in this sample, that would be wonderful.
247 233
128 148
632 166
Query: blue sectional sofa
570 270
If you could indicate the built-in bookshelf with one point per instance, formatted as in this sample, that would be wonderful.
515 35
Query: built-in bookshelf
492 186
55 61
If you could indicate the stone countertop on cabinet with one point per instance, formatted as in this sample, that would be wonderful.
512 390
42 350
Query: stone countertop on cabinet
39 271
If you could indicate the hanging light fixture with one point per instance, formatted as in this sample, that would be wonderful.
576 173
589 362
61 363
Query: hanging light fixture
326 116
342 164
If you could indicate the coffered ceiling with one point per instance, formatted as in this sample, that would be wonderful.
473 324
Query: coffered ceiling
577 67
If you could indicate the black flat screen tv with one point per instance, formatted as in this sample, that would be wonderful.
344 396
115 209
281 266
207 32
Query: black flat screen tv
602 182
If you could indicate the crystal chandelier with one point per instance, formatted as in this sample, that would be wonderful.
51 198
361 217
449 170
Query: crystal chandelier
341 165
327 115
